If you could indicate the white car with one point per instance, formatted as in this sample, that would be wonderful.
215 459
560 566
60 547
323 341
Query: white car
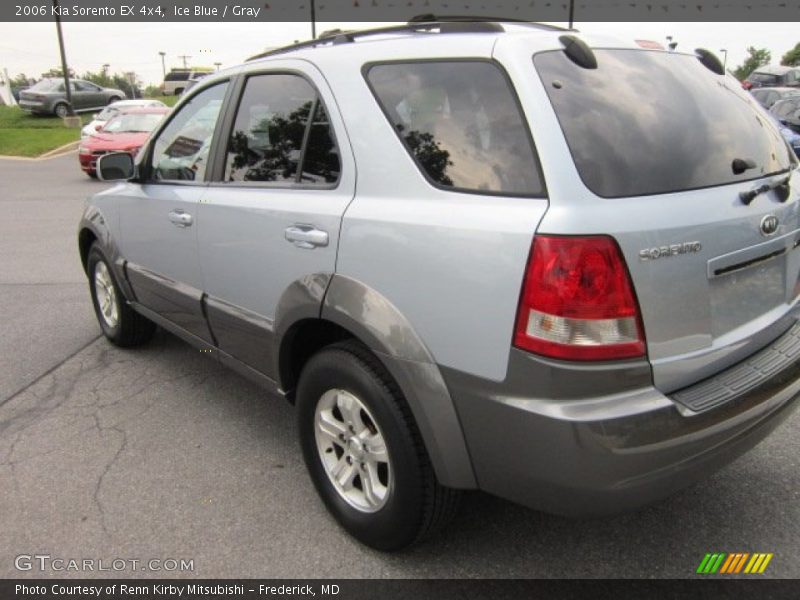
101 118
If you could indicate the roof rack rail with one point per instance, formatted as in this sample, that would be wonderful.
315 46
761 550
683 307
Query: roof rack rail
418 24
431 18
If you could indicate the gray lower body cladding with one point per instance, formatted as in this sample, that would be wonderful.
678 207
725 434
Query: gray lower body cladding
593 451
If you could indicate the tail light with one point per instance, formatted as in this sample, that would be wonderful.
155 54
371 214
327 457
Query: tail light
577 301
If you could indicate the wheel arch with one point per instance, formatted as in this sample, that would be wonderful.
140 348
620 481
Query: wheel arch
350 309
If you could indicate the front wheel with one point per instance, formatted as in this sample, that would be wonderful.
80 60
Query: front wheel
121 324
113 99
364 453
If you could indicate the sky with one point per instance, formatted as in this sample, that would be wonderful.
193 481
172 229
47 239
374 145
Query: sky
32 48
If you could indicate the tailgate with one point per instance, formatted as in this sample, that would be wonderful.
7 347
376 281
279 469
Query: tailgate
659 153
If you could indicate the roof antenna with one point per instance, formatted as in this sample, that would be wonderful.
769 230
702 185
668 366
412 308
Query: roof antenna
578 51
710 61
571 12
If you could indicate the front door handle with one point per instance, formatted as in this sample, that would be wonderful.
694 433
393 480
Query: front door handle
180 218
306 236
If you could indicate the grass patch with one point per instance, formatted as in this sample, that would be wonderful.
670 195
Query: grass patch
23 134
33 142
13 117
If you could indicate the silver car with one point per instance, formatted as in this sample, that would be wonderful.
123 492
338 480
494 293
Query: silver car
49 97
472 258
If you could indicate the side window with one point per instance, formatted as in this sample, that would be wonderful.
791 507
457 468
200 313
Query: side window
461 123
180 153
273 122
321 157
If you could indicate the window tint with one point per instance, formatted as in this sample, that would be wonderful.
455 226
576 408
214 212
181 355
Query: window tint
321 158
85 86
177 76
180 153
461 123
673 126
271 125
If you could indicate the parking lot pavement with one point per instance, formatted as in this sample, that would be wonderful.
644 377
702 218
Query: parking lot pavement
160 453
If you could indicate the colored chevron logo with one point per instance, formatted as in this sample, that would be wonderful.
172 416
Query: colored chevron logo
721 563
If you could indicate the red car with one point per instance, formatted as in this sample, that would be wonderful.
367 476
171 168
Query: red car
126 132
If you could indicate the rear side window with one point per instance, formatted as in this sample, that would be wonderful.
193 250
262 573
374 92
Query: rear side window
672 126
281 134
461 122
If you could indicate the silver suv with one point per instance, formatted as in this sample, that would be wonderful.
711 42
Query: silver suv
499 256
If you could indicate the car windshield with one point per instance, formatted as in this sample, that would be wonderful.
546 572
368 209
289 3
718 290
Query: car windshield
130 123
653 122
46 85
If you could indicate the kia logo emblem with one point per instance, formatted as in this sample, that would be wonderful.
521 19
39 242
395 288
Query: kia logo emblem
769 225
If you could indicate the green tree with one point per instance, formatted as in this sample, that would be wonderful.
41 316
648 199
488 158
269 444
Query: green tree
756 57
57 72
792 57
20 81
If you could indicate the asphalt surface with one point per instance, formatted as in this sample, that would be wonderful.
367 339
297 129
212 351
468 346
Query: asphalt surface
160 453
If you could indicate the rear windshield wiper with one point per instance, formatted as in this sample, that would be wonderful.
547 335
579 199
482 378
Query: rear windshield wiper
749 196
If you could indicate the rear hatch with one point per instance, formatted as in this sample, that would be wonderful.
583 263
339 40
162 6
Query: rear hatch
662 150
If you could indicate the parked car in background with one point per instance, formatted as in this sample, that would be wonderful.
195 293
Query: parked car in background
792 137
192 81
787 111
114 109
177 80
770 95
125 132
772 76
49 97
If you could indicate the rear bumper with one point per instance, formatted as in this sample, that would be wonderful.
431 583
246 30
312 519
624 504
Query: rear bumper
603 453
34 106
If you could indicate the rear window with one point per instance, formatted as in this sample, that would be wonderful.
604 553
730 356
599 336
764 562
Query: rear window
177 76
764 78
462 124
47 85
657 122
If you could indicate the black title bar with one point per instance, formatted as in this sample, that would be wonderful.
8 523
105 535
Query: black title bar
397 10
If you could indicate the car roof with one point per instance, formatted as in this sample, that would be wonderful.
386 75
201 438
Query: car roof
146 110
773 69
137 102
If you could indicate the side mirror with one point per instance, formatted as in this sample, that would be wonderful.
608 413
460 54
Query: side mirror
116 166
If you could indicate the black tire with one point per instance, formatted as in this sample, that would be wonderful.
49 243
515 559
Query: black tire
61 110
178 91
114 99
416 505
92 174
131 328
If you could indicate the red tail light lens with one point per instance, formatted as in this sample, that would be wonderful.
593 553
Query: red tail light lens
577 301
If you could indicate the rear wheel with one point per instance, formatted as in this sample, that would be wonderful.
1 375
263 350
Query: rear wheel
120 323
178 91
92 174
364 452
61 110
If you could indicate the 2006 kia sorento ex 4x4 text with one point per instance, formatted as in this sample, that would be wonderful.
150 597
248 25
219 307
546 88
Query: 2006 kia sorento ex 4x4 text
474 260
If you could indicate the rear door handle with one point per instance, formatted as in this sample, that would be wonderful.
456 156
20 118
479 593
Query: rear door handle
306 236
180 218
